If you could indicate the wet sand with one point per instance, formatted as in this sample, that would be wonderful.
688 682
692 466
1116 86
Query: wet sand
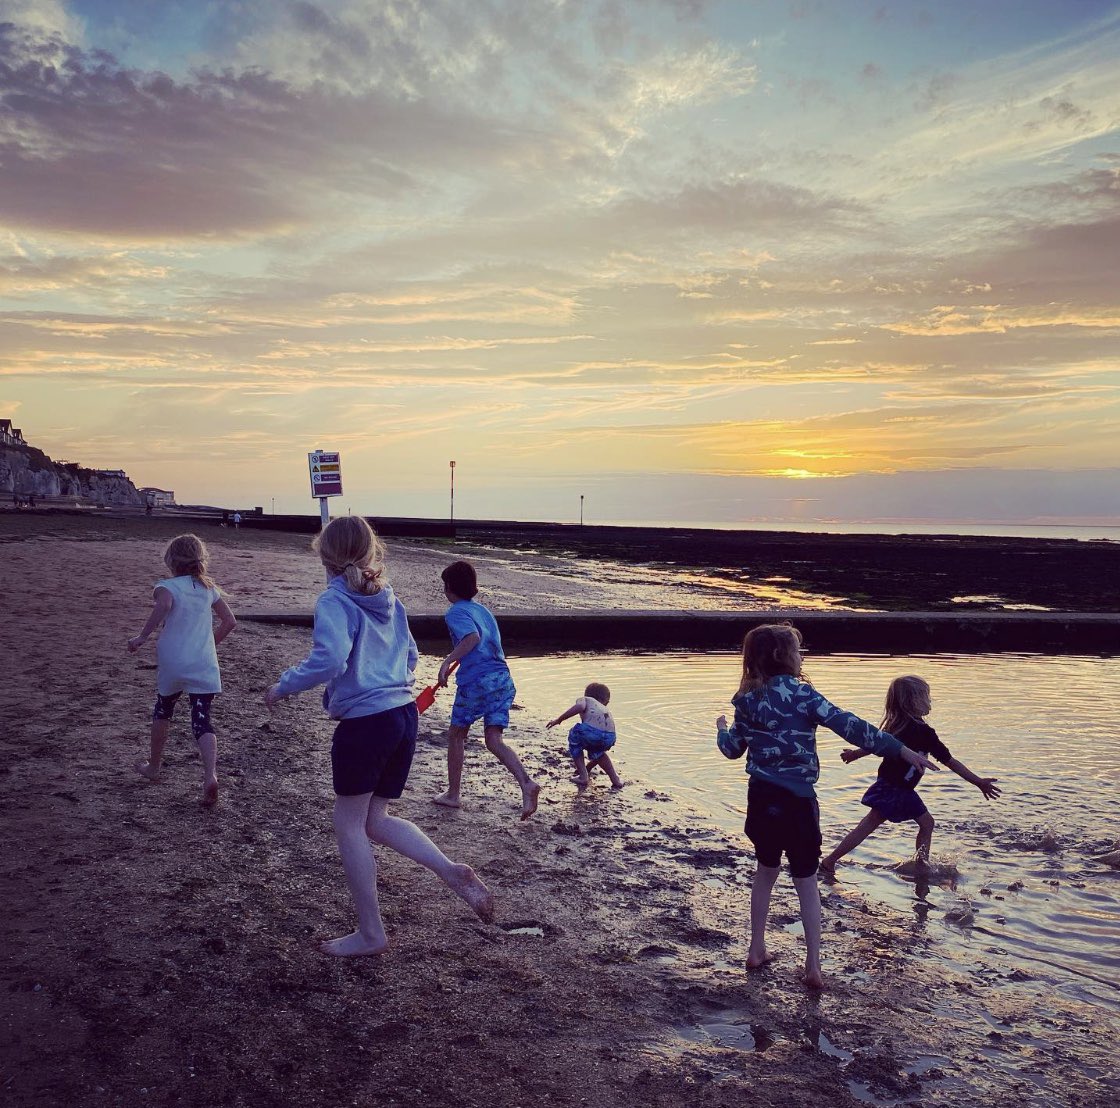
159 953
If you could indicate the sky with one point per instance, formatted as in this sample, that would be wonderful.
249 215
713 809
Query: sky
688 260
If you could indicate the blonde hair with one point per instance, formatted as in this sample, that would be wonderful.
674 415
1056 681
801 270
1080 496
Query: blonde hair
187 555
904 697
349 548
769 650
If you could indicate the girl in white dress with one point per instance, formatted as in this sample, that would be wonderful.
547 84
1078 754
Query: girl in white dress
185 604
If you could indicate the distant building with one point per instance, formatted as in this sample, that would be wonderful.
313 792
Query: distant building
9 435
111 473
158 498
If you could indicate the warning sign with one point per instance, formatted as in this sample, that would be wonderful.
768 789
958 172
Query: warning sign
326 473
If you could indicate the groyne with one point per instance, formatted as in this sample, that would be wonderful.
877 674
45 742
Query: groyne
829 632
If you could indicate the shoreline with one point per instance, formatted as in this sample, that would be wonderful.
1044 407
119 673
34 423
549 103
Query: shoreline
752 569
159 953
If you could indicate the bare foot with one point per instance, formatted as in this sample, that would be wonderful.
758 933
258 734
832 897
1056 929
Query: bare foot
617 788
529 795
582 782
145 770
209 793
354 945
447 800
466 883
812 979
757 961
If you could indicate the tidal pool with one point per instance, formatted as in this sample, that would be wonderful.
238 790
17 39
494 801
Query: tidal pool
1018 880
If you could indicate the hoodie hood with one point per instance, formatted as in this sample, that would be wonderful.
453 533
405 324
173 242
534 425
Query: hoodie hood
378 605
361 649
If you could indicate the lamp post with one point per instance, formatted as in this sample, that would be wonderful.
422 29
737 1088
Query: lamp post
581 509
274 505
452 464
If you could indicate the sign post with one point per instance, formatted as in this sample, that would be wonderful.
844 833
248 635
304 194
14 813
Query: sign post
326 479
452 492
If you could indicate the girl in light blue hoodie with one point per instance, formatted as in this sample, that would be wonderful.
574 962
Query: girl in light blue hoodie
363 652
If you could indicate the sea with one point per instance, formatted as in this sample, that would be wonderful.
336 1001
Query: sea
1102 532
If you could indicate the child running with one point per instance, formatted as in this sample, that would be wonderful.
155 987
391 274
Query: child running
776 719
483 687
185 605
364 652
894 797
593 735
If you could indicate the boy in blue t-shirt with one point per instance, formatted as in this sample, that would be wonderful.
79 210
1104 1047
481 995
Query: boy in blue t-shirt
483 687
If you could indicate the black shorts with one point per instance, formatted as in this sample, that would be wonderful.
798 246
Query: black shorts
373 754
779 822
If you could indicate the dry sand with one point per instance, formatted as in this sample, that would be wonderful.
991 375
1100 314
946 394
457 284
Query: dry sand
159 953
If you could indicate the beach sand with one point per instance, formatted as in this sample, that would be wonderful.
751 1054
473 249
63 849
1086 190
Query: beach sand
159 953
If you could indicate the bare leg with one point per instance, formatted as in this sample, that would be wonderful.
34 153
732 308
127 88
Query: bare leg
208 748
161 728
870 822
350 814
924 838
406 838
810 898
608 768
581 778
530 790
456 755
761 888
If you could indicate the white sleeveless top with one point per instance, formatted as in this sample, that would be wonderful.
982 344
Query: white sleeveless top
188 658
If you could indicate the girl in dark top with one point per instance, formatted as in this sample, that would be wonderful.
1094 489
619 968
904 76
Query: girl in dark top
893 797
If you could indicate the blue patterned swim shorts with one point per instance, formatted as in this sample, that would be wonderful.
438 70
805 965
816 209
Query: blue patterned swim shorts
489 699
594 740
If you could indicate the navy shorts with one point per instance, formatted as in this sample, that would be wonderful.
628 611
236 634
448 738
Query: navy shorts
894 804
200 710
779 822
373 754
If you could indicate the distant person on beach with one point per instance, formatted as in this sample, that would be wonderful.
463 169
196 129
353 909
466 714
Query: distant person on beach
593 736
185 605
893 798
237 521
483 686
363 651
776 718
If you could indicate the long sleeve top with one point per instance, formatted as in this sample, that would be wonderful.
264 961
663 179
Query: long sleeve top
361 649
776 727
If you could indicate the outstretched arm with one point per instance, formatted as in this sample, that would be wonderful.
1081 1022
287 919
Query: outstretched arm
987 785
161 609
866 735
462 648
576 709
331 643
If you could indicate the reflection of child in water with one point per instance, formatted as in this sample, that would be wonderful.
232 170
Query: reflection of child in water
594 735
894 798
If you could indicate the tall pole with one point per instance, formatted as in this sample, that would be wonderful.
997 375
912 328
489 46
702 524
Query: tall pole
581 509
452 492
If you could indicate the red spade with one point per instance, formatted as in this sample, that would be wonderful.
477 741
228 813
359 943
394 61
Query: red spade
427 696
